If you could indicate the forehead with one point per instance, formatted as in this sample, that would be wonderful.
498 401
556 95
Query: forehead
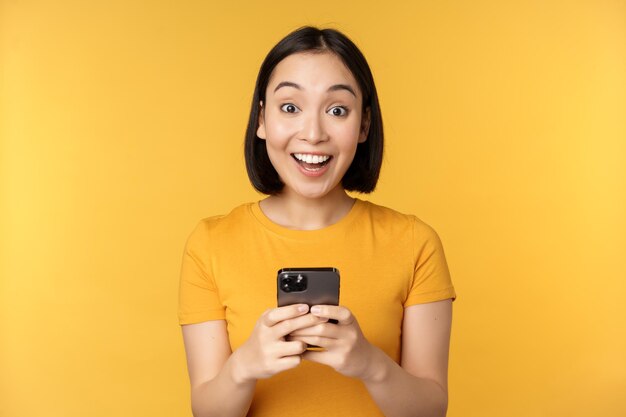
312 71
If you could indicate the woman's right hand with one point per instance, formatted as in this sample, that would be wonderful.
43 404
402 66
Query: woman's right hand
266 352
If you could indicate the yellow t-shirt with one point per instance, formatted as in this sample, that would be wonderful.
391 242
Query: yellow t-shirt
387 261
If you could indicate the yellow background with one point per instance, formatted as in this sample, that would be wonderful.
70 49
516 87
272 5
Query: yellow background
122 125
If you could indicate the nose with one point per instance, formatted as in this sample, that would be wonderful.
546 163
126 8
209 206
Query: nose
313 130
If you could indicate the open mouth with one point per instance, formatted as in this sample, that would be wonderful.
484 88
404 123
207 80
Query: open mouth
311 162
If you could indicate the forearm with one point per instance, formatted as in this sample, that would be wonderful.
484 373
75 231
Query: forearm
226 395
400 394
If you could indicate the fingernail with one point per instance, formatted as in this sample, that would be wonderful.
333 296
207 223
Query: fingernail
303 308
316 310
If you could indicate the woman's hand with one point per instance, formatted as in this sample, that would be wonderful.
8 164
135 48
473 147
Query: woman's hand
346 349
266 352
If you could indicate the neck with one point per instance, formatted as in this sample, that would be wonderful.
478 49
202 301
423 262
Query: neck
297 212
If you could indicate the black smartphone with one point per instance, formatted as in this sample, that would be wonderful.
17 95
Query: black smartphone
312 286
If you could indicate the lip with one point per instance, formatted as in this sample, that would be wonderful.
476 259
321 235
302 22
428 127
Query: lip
312 174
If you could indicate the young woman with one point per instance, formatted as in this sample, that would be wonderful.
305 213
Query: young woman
315 132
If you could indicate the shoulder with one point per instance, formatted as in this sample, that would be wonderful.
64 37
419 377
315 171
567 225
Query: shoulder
213 226
382 214
391 219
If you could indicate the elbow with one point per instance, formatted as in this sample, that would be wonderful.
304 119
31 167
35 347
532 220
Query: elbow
199 401
442 402
436 408
439 400
444 408
197 409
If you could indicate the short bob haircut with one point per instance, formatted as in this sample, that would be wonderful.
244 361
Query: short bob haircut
362 175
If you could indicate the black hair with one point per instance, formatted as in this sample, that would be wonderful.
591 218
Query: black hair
363 173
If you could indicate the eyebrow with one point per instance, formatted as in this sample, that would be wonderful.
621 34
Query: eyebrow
335 87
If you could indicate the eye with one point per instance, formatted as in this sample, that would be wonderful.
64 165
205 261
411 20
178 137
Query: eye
289 108
338 111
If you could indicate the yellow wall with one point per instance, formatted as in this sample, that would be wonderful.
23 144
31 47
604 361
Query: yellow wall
122 125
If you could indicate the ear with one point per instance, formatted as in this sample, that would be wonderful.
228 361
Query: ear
365 125
260 131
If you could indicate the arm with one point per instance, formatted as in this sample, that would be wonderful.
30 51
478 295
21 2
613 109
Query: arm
211 372
417 387
223 383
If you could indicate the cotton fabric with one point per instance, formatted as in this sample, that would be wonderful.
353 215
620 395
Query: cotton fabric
387 261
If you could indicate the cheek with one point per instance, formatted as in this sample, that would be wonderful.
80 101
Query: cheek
347 135
280 130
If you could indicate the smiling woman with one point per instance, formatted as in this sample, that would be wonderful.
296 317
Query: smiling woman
320 115
353 75
315 132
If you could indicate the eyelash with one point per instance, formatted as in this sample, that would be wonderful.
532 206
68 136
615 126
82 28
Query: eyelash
345 109
282 108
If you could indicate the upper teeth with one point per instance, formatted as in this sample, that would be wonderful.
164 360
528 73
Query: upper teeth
311 159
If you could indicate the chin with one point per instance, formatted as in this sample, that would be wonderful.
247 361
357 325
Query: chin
312 192
312 195
320 192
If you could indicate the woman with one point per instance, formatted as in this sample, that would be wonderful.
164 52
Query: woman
315 132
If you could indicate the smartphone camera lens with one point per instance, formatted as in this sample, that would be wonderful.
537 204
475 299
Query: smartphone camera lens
300 284
291 283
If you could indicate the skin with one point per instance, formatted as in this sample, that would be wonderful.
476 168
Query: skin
307 118
311 119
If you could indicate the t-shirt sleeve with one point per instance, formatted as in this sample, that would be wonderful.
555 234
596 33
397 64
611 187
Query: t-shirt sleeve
431 277
198 298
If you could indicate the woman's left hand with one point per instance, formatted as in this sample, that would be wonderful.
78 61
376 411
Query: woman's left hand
345 348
